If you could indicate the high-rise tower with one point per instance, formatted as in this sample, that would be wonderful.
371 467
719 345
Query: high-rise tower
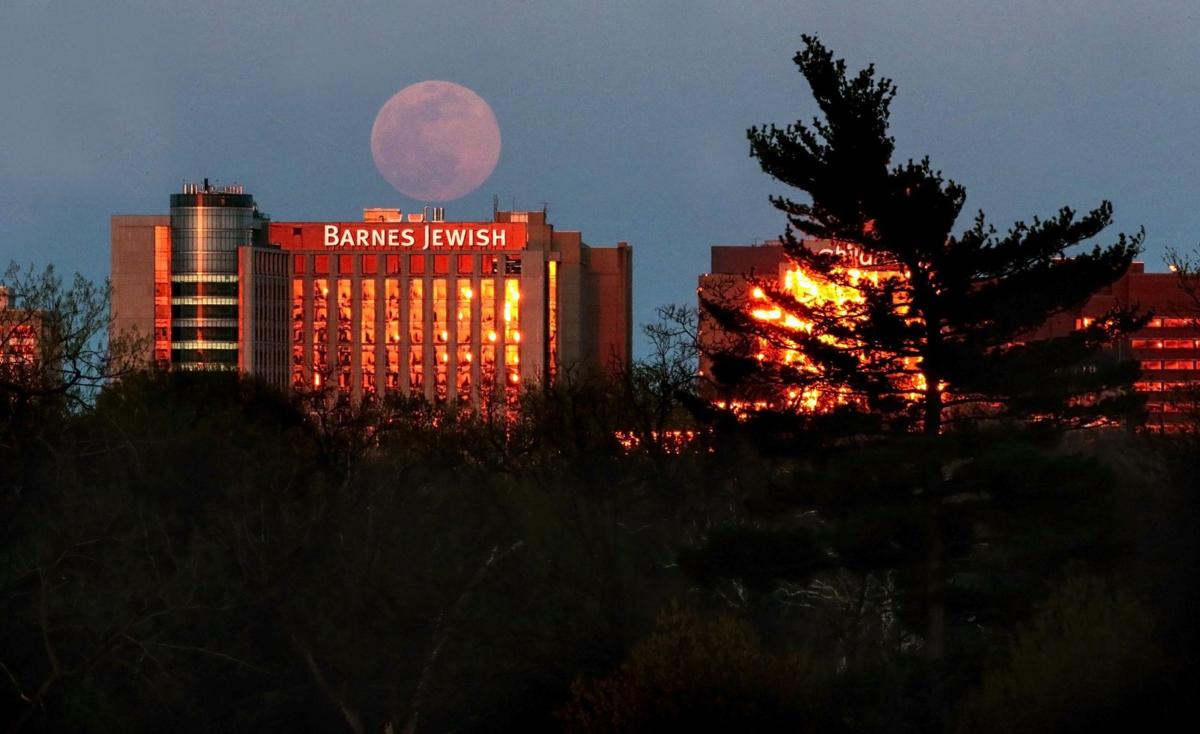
203 286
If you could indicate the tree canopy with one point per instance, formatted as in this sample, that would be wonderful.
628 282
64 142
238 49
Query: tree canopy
941 323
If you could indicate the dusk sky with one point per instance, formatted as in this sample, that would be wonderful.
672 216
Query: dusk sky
626 119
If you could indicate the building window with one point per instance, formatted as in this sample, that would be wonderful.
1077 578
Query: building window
416 264
512 264
512 334
345 264
392 330
416 336
393 264
462 335
367 335
320 330
552 320
321 264
297 332
487 265
370 264
441 335
441 264
487 328
298 264
466 263
345 325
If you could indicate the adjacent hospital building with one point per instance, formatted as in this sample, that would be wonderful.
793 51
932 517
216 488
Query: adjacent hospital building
1167 348
394 302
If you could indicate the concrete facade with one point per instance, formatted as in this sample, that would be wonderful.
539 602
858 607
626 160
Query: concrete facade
462 312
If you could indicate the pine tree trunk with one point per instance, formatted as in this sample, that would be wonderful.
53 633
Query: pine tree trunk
935 572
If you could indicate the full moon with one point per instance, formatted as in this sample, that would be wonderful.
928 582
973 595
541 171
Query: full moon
435 141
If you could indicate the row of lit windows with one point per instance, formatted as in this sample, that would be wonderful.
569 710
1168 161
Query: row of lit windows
1173 406
1167 386
1173 323
1156 323
438 302
1165 343
1168 364
411 264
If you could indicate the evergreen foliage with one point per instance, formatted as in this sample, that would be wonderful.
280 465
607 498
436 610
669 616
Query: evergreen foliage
946 333
950 483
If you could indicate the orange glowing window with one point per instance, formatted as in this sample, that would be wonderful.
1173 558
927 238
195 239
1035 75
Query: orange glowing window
370 264
512 365
392 333
320 329
367 334
441 333
297 332
416 264
344 303
441 360
464 304
462 382
551 320
416 370
487 369
466 263
512 311
487 309
416 311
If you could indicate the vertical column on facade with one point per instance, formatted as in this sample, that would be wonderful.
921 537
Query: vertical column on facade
463 309
533 310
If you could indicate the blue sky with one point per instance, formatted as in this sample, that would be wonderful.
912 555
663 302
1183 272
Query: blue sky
627 119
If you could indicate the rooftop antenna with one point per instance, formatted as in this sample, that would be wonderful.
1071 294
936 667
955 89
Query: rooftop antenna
495 204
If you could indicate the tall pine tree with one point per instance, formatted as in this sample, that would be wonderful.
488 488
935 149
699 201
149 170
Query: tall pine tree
958 492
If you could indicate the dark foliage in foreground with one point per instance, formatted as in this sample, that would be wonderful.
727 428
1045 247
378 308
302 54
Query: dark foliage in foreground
192 554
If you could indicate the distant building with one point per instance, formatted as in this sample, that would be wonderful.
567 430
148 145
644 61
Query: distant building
411 303
1167 349
22 339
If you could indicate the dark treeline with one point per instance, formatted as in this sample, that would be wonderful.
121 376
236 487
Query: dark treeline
200 553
